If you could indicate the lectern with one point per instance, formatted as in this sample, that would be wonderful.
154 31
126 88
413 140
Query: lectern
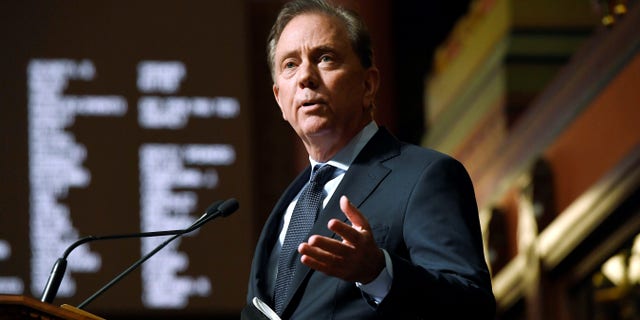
24 307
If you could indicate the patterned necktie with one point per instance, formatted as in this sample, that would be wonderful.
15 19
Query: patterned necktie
302 219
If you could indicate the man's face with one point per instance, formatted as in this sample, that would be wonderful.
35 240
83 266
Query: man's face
322 89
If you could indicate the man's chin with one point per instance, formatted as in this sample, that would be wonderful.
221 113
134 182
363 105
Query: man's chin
316 127
318 132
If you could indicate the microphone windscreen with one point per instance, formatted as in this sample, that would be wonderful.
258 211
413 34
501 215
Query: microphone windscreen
228 207
213 207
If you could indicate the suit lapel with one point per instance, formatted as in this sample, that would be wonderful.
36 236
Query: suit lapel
365 173
367 170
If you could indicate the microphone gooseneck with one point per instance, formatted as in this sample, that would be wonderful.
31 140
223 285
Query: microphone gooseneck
60 266
224 209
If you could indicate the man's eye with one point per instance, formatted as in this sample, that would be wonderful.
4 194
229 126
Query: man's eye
289 65
326 59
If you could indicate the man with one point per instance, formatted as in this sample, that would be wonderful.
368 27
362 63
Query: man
397 234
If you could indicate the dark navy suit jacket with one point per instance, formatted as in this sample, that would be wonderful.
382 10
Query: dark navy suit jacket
422 209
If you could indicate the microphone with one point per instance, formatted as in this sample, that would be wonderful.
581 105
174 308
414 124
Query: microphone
224 209
57 272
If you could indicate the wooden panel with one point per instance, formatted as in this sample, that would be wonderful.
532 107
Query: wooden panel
602 135
580 82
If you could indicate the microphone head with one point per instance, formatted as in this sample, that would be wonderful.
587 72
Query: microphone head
228 207
213 208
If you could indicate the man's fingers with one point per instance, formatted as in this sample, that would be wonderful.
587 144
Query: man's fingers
353 214
333 246
345 231
351 257
321 252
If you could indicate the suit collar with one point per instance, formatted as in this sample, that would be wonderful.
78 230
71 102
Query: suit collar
365 173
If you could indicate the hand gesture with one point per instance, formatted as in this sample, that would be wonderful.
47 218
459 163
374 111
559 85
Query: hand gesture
356 258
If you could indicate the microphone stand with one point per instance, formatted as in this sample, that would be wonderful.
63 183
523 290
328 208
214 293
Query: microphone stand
224 209
57 272
127 271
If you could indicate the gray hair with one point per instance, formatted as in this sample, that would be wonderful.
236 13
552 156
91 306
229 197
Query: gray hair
356 29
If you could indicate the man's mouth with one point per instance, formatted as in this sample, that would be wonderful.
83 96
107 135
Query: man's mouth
312 103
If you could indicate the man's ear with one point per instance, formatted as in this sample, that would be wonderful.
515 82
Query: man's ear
371 84
276 90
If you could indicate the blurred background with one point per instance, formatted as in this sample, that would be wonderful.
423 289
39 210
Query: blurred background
129 116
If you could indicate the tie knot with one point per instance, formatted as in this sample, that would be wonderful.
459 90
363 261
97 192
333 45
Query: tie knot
322 173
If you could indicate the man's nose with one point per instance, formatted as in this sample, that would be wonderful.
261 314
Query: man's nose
307 75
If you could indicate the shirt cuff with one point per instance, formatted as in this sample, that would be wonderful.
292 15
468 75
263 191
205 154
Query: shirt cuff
379 287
